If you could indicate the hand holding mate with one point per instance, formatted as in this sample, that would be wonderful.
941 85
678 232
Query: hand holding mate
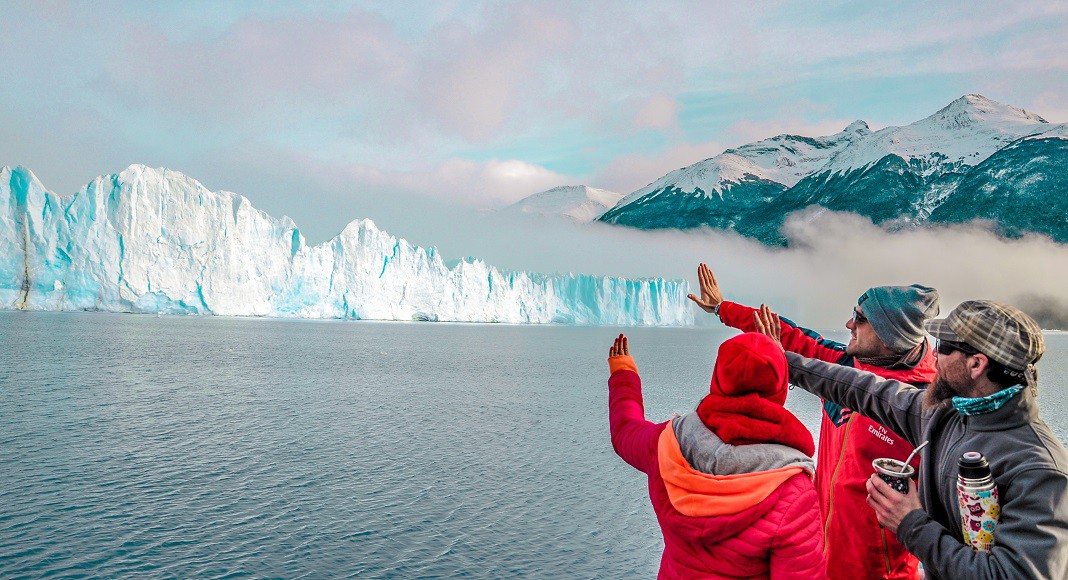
891 506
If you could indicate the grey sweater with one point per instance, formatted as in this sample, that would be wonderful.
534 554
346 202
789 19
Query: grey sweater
1029 464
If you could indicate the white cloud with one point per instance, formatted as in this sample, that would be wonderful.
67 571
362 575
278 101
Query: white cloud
658 112
627 173
840 255
480 185
834 259
1053 106
485 185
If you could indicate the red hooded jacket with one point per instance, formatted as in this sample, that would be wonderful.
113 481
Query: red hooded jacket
857 546
762 524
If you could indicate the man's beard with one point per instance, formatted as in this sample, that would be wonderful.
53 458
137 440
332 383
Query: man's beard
878 352
938 393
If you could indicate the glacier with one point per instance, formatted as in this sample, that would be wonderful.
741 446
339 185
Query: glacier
152 240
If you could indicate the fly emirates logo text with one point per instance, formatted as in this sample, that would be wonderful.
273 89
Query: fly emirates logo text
881 432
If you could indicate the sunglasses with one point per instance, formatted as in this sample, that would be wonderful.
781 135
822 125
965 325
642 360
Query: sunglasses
948 347
858 317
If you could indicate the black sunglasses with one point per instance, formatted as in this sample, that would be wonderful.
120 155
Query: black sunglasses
858 317
948 347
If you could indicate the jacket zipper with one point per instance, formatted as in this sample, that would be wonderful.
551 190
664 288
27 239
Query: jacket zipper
886 548
834 480
954 451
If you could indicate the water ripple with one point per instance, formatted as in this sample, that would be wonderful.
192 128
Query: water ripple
172 447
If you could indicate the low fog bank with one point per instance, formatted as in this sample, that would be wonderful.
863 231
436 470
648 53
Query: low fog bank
1050 311
832 259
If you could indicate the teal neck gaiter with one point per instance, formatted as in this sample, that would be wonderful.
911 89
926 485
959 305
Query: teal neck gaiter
981 405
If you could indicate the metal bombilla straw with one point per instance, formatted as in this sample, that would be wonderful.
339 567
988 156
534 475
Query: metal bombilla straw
905 465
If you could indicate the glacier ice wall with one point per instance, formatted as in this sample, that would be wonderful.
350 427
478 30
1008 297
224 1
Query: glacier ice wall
154 240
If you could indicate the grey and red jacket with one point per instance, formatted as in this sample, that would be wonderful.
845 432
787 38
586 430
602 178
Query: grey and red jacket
725 511
856 545
1029 464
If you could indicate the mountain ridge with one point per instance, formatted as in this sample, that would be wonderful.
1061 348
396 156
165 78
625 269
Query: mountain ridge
897 176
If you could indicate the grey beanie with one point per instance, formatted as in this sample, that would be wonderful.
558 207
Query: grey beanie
897 313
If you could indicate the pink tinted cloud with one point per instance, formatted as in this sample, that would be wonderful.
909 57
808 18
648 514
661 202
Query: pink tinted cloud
479 185
627 173
1051 105
474 81
262 67
658 112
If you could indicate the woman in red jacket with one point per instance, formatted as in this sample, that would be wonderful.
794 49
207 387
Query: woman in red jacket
730 482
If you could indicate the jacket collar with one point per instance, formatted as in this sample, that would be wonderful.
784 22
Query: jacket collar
921 374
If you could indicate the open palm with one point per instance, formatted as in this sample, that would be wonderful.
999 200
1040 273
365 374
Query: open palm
711 295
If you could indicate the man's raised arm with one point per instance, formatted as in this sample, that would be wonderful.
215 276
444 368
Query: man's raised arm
897 405
793 337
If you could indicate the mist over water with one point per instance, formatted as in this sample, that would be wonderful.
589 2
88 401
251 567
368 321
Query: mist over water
832 259
197 446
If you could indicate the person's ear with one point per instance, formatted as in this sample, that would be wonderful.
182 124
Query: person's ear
977 364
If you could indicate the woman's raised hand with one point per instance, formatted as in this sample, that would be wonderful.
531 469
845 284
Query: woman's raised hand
620 347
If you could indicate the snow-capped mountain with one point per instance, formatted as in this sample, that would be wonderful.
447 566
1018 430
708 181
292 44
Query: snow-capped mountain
714 191
154 240
579 203
783 159
898 176
964 132
1023 187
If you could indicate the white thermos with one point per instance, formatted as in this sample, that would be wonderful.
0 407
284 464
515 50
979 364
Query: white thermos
978 497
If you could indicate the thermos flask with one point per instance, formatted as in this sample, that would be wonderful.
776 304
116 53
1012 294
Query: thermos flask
978 497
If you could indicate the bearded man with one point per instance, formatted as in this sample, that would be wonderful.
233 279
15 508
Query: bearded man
983 399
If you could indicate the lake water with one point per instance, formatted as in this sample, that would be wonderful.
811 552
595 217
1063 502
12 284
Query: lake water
214 447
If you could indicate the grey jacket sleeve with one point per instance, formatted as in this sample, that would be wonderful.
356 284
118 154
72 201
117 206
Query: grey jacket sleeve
1030 542
896 405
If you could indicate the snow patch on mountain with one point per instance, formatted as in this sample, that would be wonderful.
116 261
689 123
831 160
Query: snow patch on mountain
1059 131
964 132
784 159
579 203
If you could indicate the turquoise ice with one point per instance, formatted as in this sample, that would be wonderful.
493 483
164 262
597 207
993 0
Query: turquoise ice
156 241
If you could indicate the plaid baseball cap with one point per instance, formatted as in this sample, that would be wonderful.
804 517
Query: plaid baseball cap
1002 332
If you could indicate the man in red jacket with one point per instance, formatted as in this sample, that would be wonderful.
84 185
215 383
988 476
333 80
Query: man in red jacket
887 339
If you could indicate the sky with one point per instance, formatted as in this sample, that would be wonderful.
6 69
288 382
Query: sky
423 116
319 110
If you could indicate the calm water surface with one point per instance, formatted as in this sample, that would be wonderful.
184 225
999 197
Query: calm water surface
214 447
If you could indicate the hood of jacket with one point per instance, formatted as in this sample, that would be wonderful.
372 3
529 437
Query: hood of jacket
750 363
719 479
704 451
